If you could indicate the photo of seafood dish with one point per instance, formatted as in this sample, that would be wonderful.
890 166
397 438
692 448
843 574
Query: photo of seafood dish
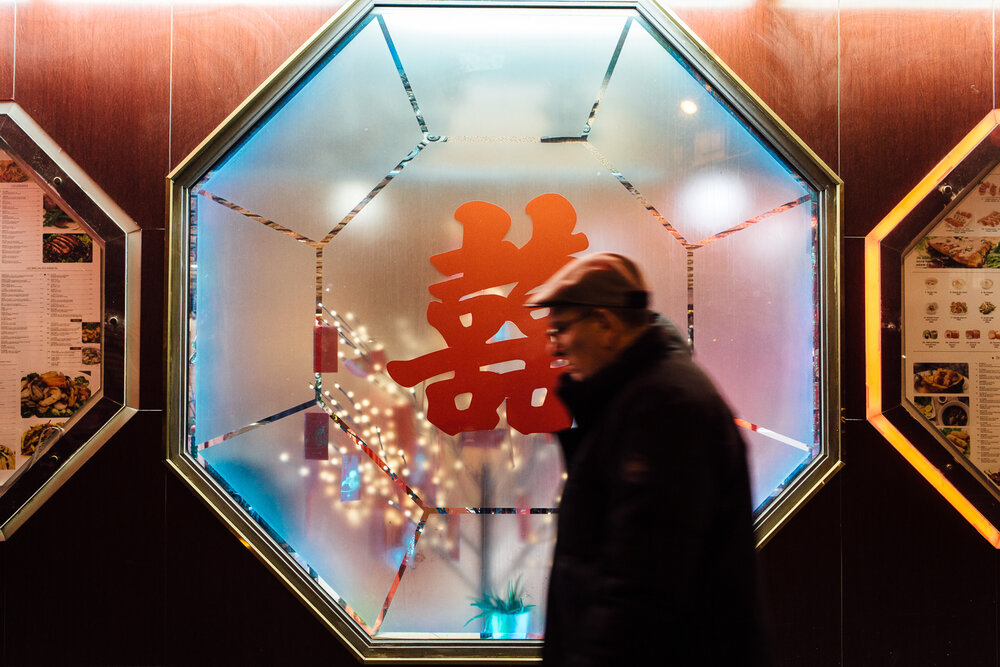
959 438
90 332
987 307
930 282
6 458
11 172
930 334
52 394
959 308
90 356
939 381
67 248
987 284
960 251
34 436
972 334
951 333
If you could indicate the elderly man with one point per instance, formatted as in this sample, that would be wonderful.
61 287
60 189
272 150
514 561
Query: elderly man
654 562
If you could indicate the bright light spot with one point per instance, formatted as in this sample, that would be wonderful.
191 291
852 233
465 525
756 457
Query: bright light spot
713 201
284 457
689 107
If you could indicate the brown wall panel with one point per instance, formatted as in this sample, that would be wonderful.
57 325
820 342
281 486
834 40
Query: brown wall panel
96 78
126 566
912 84
6 51
221 55
788 57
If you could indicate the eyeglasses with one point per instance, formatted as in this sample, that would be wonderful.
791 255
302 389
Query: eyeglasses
559 328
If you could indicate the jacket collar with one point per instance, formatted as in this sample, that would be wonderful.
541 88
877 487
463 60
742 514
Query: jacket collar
587 399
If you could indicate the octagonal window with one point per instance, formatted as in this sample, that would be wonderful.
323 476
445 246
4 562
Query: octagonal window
355 381
68 258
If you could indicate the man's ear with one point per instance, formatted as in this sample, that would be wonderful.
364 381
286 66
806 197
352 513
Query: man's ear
609 324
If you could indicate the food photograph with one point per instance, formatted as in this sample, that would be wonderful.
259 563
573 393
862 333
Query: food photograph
90 332
52 394
67 248
6 458
35 436
959 438
931 378
954 413
10 172
968 252
55 217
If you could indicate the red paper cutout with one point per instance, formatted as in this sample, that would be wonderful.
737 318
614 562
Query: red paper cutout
325 341
481 267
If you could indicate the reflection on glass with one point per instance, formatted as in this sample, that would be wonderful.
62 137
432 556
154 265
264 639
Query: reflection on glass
51 347
951 334
409 194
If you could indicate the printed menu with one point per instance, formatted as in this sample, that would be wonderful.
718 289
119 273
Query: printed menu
50 317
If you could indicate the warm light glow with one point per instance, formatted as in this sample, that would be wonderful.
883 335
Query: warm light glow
689 107
873 328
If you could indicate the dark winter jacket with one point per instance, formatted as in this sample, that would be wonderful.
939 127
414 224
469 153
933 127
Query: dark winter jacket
654 562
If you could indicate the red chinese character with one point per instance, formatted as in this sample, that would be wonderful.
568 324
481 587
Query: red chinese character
499 351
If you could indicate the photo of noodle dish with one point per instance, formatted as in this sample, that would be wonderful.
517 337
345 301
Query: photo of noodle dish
35 436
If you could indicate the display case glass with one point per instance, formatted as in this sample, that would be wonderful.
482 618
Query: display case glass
68 257
355 383
934 336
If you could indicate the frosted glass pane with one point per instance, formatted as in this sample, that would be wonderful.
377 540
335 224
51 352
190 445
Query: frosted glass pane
325 148
449 571
377 272
505 72
356 546
703 171
771 462
256 304
755 319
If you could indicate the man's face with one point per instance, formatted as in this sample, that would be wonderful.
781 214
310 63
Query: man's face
575 336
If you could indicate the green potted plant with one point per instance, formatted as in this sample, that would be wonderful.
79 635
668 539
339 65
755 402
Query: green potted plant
505 617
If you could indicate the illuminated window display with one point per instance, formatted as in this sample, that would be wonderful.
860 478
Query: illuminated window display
63 275
355 383
944 239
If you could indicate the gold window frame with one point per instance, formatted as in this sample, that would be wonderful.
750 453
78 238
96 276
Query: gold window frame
181 181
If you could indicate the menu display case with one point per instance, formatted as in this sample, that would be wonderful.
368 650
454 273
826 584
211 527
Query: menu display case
934 336
68 290
355 385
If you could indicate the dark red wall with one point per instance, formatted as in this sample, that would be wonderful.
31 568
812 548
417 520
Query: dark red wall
125 566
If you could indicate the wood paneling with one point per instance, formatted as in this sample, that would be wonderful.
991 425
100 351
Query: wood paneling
912 84
875 570
787 57
223 54
96 78
83 578
6 50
